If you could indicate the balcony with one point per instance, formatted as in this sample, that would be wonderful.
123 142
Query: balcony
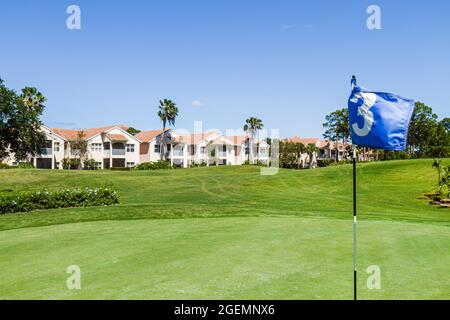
118 152
178 153
113 152
263 154
46 151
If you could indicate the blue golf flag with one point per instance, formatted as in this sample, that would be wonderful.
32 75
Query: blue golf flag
379 120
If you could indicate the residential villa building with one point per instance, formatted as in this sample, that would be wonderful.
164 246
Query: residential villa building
113 147
109 147
209 148
326 150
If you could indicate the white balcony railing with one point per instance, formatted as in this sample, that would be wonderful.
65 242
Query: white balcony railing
178 153
46 151
118 152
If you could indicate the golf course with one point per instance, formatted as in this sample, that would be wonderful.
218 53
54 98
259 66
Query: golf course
229 232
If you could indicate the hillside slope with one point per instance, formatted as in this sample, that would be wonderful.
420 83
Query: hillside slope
386 190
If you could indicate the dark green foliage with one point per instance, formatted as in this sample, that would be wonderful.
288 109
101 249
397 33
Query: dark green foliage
80 147
90 164
25 165
427 137
21 165
133 131
337 127
257 163
252 125
11 202
20 122
325 162
443 184
71 163
167 113
153 165
291 154
198 164
4 165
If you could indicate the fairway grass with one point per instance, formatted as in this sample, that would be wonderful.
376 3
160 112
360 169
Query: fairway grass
230 233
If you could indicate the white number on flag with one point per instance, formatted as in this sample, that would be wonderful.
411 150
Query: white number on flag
363 110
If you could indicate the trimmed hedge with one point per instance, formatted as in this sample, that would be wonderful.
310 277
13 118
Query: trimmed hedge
153 165
18 201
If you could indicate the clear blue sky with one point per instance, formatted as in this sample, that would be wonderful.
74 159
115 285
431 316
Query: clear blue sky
286 62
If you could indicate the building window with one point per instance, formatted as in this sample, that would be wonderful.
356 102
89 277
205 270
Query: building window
157 148
96 147
130 147
203 150
56 146
130 164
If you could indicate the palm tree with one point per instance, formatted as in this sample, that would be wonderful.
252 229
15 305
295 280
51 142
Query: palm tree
167 112
252 125
311 149
299 150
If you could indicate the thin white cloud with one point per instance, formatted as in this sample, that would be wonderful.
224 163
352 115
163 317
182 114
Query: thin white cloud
288 26
198 104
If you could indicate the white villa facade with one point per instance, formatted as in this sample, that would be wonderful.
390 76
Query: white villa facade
208 148
113 147
326 150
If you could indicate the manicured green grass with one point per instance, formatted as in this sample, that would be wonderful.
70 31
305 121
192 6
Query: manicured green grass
229 232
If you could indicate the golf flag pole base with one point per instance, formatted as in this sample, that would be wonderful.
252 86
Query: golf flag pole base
354 224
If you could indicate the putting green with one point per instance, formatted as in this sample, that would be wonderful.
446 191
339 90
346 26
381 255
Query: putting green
229 232
280 257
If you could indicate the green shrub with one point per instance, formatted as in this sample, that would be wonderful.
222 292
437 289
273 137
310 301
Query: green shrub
25 165
325 162
198 164
71 163
4 166
257 163
153 165
90 164
18 201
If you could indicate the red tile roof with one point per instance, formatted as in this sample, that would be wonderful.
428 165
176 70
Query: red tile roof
116 137
318 142
305 141
195 138
72 134
238 140
148 135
